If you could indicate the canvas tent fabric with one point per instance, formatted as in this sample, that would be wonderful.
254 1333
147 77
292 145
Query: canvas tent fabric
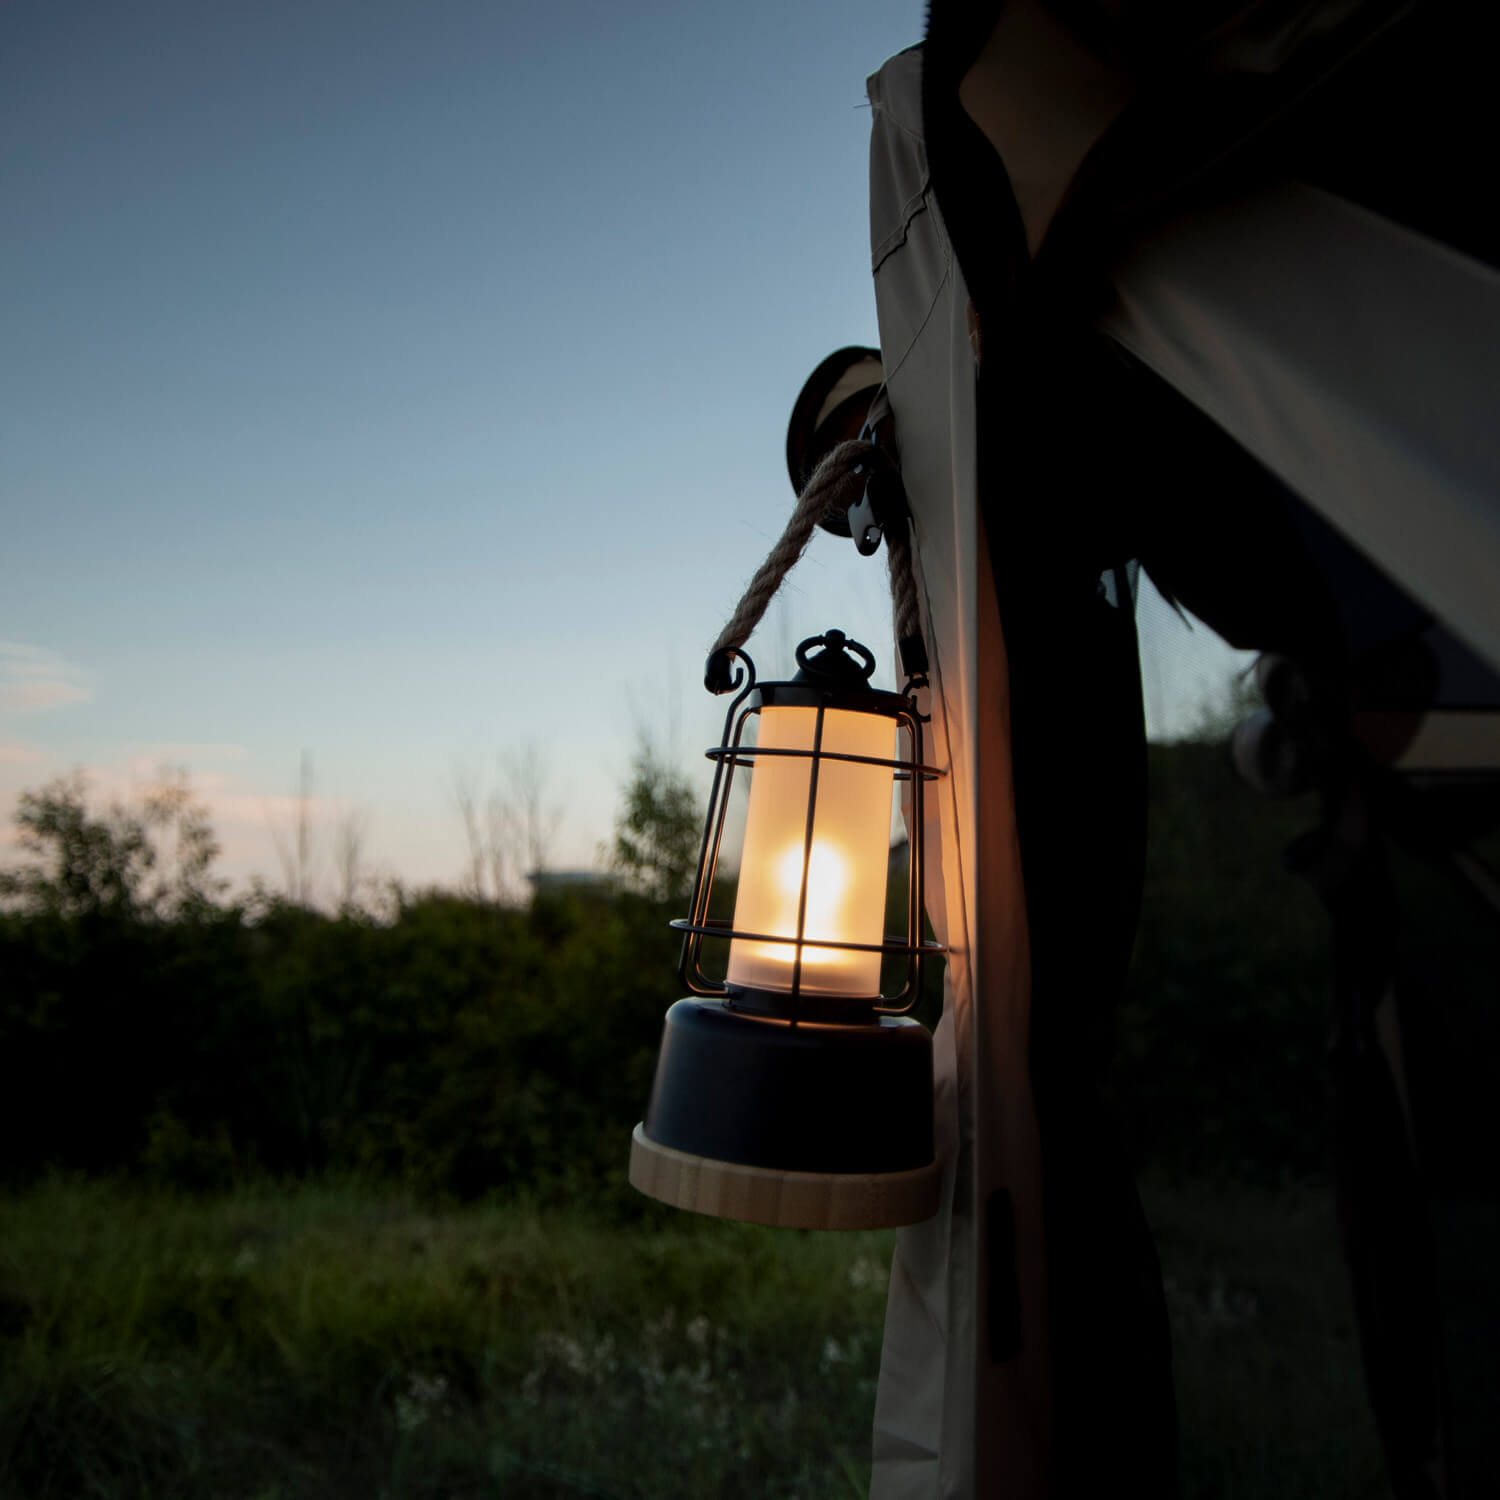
949 1420
1276 395
1355 359
1026 1344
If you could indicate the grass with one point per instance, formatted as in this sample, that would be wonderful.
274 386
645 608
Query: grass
341 1341
338 1342
1270 1394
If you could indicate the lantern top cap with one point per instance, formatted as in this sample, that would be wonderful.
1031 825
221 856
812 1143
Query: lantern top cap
831 666
833 662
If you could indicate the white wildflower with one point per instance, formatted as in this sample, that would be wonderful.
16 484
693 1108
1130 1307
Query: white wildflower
563 1349
425 1395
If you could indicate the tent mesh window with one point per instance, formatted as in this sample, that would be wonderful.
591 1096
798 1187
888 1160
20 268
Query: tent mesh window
1305 1065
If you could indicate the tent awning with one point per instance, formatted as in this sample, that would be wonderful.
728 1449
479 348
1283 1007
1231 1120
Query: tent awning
1356 360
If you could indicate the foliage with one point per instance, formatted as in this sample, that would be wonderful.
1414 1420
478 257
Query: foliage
1220 1039
460 1045
330 1342
335 1342
660 827
153 861
294 1340
1219 713
1270 1395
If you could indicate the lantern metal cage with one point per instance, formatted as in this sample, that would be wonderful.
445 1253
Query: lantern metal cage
835 678
807 1101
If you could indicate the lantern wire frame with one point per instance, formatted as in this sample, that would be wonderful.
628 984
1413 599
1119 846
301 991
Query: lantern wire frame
730 755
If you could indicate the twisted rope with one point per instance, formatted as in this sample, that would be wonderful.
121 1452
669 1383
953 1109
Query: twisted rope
836 484
834 487
904 607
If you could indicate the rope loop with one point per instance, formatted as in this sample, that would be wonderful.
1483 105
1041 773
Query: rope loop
836 486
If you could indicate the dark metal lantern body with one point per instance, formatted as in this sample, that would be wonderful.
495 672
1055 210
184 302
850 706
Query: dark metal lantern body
808 1096
786 1082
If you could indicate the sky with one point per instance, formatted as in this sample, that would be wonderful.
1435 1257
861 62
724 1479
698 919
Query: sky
404 387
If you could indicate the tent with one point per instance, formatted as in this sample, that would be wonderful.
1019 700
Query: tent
1209 292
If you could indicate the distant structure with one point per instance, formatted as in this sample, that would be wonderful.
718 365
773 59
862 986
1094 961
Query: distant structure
571 883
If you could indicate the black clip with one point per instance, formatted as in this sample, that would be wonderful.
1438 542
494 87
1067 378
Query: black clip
883 501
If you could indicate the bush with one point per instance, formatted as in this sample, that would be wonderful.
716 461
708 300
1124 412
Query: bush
1220 1038
459 1046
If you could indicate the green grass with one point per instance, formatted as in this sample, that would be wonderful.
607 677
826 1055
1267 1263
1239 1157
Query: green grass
349 1342
1270 1394
336 1342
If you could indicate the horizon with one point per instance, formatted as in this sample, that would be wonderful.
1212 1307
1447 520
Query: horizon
408 389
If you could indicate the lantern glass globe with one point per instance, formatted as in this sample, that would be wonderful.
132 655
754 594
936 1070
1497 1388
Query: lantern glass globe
846 867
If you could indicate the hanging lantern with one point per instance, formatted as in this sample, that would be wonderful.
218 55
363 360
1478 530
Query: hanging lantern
794 1092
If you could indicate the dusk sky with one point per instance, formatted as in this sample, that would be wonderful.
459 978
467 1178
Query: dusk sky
407 384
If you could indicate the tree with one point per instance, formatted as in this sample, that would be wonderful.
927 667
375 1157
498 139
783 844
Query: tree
508 835
294 846
348 856
520 818
184 848
1222 707
658 829
154 860
466 798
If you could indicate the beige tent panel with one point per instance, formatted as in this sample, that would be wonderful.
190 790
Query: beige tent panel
1357 360
950 1421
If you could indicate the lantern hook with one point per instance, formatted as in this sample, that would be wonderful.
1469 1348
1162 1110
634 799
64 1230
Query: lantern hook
720 675
909 690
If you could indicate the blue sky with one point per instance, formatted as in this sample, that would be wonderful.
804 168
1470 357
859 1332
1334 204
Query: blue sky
407 384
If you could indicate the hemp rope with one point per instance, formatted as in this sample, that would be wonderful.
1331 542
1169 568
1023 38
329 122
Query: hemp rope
836 485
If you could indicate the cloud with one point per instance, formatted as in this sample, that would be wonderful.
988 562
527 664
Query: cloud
32 679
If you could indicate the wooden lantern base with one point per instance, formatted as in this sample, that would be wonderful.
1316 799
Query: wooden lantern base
788 1200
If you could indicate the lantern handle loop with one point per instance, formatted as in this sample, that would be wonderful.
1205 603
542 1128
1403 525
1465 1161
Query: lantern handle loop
835 641
835 485
839 483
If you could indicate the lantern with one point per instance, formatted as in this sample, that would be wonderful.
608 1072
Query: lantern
794 1092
